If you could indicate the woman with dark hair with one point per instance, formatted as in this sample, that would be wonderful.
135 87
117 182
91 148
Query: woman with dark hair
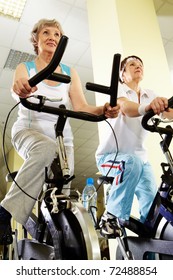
129 165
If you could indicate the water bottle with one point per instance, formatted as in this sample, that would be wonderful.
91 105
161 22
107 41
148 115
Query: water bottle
89 199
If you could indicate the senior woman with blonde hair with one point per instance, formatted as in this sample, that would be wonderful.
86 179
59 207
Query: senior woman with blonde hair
33 134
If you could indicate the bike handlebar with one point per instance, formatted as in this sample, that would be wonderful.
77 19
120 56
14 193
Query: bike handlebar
113 89
153 128
47 73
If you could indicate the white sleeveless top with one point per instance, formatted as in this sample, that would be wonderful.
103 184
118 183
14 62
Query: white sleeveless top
44 122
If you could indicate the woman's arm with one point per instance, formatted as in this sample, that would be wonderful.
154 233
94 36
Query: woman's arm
20 82
133 109
79 102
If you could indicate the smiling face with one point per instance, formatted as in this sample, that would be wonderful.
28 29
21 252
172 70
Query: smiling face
133 71
46 28
48 39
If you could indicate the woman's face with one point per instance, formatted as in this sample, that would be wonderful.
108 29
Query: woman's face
133 71
48 39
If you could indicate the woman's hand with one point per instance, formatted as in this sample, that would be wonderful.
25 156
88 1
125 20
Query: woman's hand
22 88
111 112
159 105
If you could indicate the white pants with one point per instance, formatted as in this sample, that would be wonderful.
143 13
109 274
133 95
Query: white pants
38 151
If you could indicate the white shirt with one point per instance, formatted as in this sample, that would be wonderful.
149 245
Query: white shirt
44 122
129 131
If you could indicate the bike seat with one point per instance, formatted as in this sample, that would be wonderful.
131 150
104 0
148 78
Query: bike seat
11 176
105 180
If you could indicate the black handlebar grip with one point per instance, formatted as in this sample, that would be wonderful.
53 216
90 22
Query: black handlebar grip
97 88
145 120
170 102
114 80
150 114
59 78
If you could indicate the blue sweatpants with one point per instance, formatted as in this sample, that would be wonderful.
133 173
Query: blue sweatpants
131 177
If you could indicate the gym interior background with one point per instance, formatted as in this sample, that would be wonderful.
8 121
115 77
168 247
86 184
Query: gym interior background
73 16
15 46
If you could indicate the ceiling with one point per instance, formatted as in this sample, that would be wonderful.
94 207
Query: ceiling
73 16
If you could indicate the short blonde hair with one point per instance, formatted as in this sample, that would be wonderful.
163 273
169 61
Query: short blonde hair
41 24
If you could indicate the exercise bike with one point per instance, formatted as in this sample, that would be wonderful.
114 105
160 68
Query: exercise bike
63 229
154 238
